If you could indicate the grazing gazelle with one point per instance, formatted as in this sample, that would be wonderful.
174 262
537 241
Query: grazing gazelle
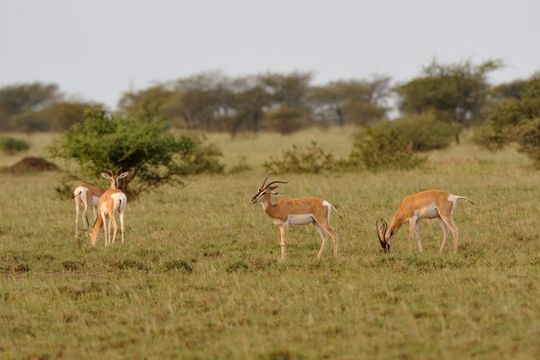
302 211
85 195
111 201
430 204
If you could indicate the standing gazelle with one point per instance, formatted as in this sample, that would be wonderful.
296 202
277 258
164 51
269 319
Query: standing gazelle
111 201
85 195
429 204
302 211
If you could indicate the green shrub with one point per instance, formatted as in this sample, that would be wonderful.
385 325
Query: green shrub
423 132
10 145
379 149
144 147
310 159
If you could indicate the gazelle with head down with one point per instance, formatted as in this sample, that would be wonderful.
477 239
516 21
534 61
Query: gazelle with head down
111 201
301 211
85 195
430 204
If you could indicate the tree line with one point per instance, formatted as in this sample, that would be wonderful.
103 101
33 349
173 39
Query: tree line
458 94
434 107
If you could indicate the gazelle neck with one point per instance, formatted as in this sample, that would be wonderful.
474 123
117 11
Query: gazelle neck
266 202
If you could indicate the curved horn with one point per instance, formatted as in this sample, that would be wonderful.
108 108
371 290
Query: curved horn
264 182
382 230
277 182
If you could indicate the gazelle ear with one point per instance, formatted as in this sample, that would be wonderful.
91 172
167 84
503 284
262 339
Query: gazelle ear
123 175
274 193
273 187
106 176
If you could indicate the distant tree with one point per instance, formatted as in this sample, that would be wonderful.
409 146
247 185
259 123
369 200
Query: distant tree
248 105
288 90
20 98
58 116
150 102
455 92
354 102
516 120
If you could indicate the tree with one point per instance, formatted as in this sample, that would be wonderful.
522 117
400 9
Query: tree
151 154
516 120
58 116
455 92
20 98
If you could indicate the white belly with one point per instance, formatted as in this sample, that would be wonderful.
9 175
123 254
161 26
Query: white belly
429 212
95 201
302 219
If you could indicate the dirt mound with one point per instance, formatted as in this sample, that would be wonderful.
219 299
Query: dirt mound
32 164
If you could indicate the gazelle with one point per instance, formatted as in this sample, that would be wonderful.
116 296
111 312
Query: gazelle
301 211
430 204
85 195
111 201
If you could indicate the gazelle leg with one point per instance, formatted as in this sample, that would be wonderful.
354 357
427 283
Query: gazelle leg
453 230
445 235
85 218
76 217
122 224
114 226
418 237
323 238
412 233
283 231
325 226
105 228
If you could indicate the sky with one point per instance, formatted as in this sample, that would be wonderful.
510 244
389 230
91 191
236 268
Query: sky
97 49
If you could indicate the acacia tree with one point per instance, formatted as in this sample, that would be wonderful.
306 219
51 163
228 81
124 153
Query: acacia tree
145 148
516 118
456 92
354 101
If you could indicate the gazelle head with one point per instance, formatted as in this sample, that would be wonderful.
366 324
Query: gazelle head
114 179
382 235
266 190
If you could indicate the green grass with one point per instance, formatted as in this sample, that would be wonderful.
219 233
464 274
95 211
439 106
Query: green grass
199 275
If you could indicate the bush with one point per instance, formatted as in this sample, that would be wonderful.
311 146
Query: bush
423 132
10 145
383 150
515 120
144 147
311 159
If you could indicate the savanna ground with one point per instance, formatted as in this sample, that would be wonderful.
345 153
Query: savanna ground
198 276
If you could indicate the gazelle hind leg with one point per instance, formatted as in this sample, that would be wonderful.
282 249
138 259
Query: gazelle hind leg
105 228
445 235
325 226
122 224
114 226
323 238
453 230
76 217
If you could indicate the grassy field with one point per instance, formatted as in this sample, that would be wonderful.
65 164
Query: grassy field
199 276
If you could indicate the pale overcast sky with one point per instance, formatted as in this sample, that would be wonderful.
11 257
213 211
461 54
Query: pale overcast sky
96 49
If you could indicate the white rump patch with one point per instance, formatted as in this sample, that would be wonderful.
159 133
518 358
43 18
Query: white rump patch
453 198
302 219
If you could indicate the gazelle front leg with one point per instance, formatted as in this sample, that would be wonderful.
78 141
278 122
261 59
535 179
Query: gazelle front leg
413 232
283 232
